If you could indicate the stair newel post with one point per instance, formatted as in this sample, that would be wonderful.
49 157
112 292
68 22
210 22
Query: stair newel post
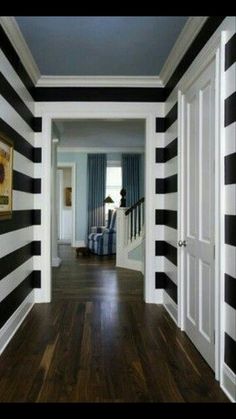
121 235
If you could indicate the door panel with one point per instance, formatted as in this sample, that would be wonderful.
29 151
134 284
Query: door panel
198 195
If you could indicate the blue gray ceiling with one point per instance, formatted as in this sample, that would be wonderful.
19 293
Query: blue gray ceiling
100 46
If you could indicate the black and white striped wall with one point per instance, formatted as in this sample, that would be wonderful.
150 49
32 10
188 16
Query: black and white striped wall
230 201
20 244
166 190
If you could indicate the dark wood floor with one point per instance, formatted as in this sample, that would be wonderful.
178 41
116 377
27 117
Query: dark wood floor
98 342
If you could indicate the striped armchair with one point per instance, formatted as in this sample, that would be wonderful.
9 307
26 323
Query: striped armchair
102 240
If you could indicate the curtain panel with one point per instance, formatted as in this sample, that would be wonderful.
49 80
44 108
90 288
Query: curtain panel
97 164
131 177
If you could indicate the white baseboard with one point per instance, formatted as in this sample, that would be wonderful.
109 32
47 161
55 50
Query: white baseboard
155 298
56 262
135 265
170 307
64 241
12 324
228 384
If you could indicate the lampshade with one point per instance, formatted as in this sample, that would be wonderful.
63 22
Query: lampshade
108 200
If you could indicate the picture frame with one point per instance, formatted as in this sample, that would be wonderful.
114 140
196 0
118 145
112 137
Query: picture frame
6 177
68 196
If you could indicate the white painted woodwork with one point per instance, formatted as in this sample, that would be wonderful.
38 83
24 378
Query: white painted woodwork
199 197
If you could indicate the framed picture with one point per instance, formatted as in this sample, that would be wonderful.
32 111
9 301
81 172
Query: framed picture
6 163
68 192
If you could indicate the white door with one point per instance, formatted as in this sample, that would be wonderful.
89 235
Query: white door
198 198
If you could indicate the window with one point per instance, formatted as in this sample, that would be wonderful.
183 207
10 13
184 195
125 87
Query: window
113 186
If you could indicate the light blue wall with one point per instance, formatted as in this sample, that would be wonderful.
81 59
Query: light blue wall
80 159
137 253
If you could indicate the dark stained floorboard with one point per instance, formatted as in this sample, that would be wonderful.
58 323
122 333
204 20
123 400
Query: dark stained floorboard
98 342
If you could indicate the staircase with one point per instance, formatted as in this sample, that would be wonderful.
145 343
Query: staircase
130 237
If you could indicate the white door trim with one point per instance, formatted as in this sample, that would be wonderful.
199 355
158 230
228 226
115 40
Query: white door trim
50 111
214 51
72 166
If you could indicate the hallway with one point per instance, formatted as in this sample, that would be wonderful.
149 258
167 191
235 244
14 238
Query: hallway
98 342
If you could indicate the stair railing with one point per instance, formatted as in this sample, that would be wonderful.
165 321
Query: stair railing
135 220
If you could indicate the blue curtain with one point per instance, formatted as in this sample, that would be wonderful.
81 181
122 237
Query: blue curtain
97 164
131 177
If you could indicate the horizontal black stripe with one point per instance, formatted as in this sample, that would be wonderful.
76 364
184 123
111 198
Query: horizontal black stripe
164 248
99 94
160 185
171 117
21 145
171 150
36 279
230 291
16 102
37 155
230 52
10 304
160 280
210 26
166 217
13 58
230 351
37 125
167 185
24 183
36 247
164 282
230 169
14 259
230 229
167 153
160 124
20 219
230 109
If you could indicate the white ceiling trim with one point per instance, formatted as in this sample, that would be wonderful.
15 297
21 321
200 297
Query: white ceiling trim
183 42
17 39
99 81
68 149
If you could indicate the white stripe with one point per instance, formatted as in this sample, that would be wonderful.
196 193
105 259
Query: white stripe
159 201
230 321
170 104
159 170
11 281
230 139
230 199
14 80
230 81
230 260
9 242
22 200
38 170
159 140
171 133
171 270
171 167
12 118
23 165
170 235
171 201
159 232
159 263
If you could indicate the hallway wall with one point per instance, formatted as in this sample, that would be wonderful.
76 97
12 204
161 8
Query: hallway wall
166 188
19 240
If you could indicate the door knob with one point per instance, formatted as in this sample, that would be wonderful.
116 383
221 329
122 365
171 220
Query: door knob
182 243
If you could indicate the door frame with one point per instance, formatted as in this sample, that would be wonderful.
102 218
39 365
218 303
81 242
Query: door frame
50 111
212 51
72 166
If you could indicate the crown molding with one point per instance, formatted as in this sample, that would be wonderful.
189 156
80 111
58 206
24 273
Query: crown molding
99 81
14 33
78 149
183 42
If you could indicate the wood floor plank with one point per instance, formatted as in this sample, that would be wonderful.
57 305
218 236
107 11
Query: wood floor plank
99 342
